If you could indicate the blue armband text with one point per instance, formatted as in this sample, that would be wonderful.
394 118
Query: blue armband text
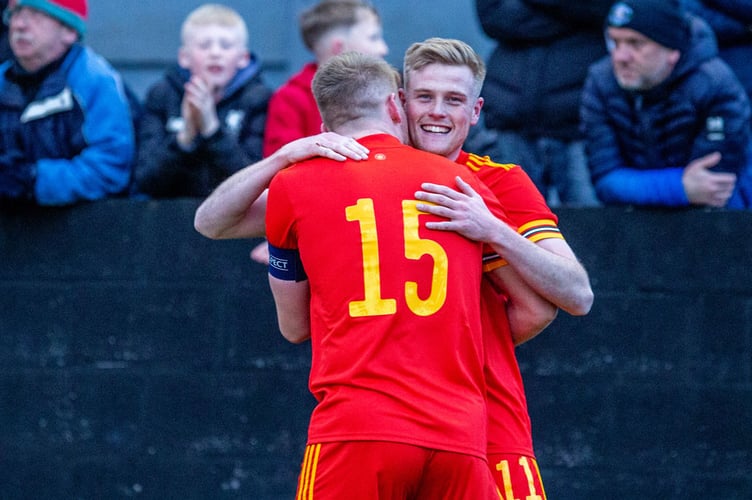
285 264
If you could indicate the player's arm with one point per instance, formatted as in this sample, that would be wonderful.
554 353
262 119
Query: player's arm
292 301
548 267
236 208
527 312
292 295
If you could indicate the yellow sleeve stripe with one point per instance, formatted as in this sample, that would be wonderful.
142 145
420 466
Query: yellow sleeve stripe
494 261
475 162
545 235
540 230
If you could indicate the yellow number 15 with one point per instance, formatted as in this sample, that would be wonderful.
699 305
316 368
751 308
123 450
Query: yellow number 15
373 303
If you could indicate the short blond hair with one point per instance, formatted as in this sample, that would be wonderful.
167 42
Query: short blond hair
353 86
214 14
448 51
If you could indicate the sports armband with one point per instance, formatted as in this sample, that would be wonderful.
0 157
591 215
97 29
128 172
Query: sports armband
285 264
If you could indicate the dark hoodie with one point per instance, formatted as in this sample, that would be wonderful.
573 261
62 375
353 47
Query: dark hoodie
165 170
540 62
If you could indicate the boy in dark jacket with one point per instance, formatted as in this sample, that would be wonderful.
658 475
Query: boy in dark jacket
205 119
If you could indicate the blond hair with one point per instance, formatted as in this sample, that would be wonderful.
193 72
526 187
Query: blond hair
353 86
448 51
214 14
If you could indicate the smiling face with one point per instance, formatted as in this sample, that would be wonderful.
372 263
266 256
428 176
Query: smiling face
214 53
441 107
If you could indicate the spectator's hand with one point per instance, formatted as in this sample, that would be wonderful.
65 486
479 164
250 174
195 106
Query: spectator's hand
202 106
467 212
705 187
187 135
16 179
327 144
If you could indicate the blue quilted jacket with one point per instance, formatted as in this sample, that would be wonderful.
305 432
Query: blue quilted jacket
75 128
638 143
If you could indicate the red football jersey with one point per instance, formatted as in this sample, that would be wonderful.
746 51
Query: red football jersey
395 307
509 429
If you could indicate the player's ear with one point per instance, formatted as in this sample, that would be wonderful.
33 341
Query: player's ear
476 111
394 108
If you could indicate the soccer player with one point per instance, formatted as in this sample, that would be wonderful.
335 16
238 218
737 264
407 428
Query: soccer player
392 309
443 79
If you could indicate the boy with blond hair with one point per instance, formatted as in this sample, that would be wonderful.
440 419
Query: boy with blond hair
205 118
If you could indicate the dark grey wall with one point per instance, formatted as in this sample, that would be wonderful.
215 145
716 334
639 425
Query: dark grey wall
142 38
140 360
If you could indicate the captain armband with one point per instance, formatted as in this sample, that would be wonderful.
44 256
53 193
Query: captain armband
285 264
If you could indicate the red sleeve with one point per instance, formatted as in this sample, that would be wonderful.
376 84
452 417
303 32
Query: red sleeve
280 229
522 202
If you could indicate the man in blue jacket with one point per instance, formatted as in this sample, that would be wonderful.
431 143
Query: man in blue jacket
66 133
666 120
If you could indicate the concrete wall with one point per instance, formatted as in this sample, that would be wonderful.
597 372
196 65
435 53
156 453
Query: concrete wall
140 360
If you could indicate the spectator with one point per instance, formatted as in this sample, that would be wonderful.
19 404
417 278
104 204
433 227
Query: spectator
5 52
731 21
666 120
533 88
66 133
397 366
328 28
205 118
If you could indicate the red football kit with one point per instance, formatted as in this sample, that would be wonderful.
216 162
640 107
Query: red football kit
395 311
510 444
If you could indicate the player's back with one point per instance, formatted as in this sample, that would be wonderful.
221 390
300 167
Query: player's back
395 322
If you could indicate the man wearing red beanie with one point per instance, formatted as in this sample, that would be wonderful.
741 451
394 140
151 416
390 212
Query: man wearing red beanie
66 133
72 13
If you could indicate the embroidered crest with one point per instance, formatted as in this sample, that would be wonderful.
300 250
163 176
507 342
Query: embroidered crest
620 15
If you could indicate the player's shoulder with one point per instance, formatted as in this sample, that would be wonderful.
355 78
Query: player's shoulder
479 163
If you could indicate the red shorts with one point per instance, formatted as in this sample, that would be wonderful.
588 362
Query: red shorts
380 470
516 476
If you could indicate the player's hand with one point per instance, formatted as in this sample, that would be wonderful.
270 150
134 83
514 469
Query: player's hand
327 145
465 210
705 187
